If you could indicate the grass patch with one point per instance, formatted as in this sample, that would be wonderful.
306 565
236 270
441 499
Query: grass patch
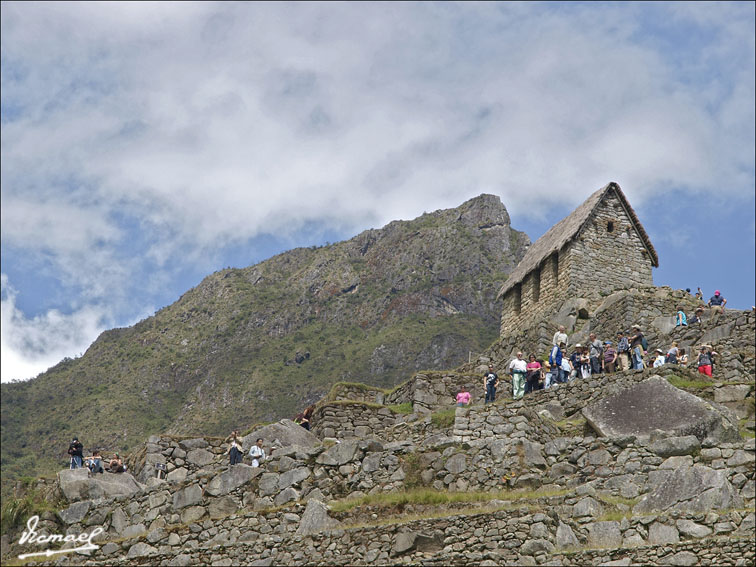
429 496
405 408
443 418
679 382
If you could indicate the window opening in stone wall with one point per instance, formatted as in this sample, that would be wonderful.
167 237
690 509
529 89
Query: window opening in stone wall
517 298
555 267
610 226
536 285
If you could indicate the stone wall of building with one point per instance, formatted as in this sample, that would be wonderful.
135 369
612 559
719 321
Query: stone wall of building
357 392
590 266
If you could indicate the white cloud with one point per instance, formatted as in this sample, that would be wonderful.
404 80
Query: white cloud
31 346
136 133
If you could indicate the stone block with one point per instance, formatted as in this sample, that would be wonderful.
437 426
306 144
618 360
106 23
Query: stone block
655 404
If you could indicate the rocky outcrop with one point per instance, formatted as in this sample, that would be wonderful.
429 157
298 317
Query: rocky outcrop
656 405
80 484
284 433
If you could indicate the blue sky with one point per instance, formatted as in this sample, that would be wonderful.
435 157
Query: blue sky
146 145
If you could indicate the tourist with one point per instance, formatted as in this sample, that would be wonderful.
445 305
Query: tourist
303 418
76 450
623 350
585 363
94 463
636 344
234 452
518 368
699 295
559 337
566 364
534 376
704 362
697 316
682 360
680 319
116 464
610 357
659 360
672 353
575 361
490 383
717 303
257 453
555 363
596 353
463 397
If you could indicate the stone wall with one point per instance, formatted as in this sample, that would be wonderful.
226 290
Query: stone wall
346 418
593 264
356 392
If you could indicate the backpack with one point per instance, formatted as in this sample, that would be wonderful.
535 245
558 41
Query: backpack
644 343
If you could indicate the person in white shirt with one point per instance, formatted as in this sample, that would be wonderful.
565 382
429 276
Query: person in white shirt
518 368
559 337
257 453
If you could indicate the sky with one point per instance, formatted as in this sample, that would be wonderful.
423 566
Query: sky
147 145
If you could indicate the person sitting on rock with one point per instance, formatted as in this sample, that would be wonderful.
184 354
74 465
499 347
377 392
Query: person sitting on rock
94 463
680 319
257 453
463 397
116 464
304 419
659 359
704 362
235 449
697 315
610 357
534 376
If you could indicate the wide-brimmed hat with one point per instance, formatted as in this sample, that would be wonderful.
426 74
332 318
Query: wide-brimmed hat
578 345
636 327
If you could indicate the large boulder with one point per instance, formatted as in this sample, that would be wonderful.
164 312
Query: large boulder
690 489
79 484
284 433
315 519
232 479
655 404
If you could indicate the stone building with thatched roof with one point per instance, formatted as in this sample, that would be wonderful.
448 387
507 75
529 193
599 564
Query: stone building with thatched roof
600 248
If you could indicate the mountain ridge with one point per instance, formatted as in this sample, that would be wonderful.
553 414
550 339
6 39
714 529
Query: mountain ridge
233 350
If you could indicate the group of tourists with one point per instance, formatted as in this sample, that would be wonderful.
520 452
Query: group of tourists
629 351
236 454
95 463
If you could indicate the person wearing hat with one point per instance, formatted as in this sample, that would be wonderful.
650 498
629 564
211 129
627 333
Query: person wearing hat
76 450
717 303
636 344
659 360
610 357
623 350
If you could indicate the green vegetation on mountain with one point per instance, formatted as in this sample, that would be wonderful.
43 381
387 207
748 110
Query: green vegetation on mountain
260 343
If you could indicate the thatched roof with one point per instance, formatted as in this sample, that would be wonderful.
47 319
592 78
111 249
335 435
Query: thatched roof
567 229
